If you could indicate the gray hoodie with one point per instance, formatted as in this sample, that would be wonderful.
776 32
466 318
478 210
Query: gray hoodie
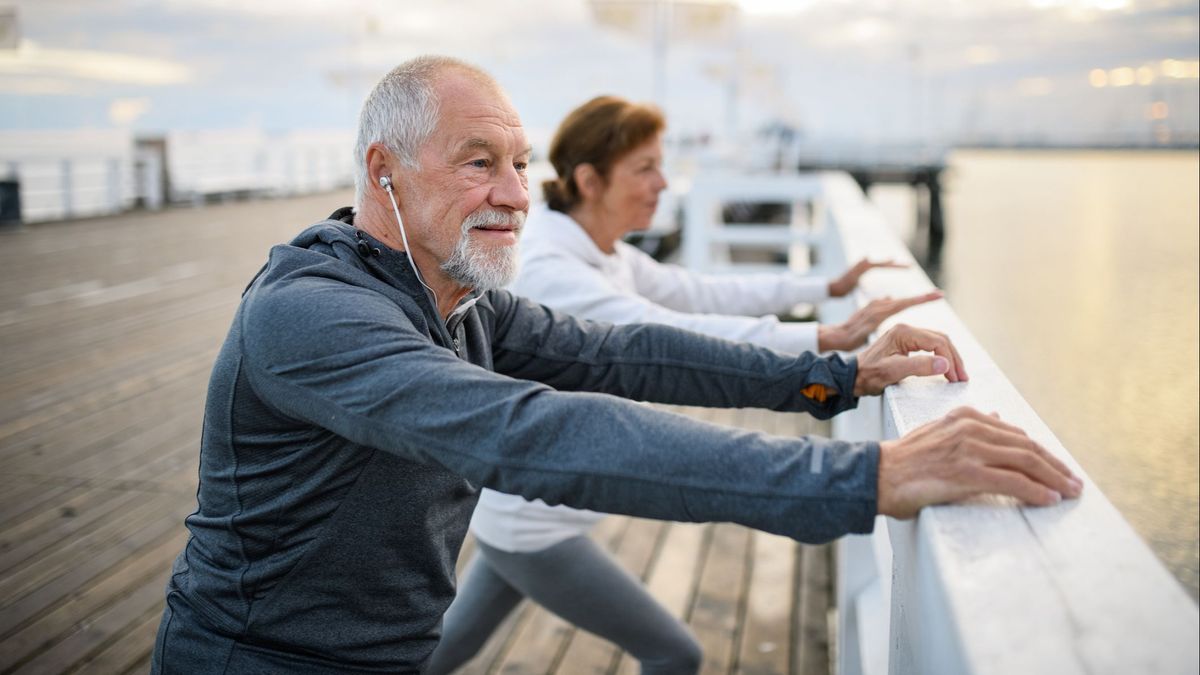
348 429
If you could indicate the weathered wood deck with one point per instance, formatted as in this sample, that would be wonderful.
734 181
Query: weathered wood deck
108 329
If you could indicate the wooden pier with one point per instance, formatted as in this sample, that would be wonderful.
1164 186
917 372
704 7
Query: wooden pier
108 328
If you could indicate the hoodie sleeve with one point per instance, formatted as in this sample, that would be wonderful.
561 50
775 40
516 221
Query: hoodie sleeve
349 360
663 364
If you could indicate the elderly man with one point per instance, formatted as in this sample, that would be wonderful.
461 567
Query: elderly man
374 378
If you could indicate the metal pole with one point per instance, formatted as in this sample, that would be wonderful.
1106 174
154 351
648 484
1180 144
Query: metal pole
662 10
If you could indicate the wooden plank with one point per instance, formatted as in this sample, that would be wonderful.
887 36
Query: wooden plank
81 342
138 382
714 616
128 651
767 629
95 431
85 320
814 598
21 501
124 456
94 635
82 345
47 579
676 572
105 421
675 575
59 521
51 383
153 373
148 565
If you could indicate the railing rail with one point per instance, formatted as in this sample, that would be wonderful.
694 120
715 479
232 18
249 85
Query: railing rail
986 586
74 174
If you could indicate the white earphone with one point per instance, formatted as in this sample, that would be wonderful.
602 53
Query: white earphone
385 182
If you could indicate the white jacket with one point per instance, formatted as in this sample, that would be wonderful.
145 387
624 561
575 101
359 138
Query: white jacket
562 268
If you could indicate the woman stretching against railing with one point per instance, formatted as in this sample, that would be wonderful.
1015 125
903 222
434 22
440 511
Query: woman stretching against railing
608 156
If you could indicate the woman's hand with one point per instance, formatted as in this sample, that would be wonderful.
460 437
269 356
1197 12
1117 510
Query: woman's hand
854 332
849 281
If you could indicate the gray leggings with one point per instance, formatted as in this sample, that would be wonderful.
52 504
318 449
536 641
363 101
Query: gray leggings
579 582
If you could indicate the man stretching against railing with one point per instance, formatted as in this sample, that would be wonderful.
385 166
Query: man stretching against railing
364 394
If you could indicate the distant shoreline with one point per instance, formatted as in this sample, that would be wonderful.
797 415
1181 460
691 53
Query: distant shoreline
1195 145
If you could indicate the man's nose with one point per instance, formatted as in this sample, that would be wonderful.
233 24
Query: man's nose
510 190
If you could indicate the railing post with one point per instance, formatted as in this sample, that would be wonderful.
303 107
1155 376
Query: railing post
696 230
864 568
114 185
66 187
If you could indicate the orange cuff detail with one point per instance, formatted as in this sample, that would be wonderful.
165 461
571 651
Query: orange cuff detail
816 392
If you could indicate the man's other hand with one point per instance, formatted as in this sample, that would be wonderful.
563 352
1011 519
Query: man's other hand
887 360
854 332
967 453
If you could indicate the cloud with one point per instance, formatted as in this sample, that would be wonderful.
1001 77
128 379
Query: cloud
30 59
37 86
125 111
852 67
1035 86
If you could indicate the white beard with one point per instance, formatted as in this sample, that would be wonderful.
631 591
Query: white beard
484 268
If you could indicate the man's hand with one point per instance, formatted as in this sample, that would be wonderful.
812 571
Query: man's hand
848 281
854 332
887 361
967 453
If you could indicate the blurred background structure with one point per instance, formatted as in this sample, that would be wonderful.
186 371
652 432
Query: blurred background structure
1039 156
994 72
755 83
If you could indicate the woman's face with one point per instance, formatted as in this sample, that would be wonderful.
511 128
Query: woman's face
630 195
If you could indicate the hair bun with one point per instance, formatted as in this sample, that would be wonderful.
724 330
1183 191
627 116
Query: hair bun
555 193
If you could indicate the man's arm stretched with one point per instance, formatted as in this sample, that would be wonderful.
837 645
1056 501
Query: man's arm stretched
375 380
663 364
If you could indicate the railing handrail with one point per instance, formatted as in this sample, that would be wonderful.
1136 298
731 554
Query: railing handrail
986 586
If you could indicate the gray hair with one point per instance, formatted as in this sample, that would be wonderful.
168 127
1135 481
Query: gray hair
401 112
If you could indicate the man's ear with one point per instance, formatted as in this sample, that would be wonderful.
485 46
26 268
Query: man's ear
588 181
380 163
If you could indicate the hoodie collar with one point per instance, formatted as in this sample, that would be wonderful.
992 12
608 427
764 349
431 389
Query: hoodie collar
550 231
390 264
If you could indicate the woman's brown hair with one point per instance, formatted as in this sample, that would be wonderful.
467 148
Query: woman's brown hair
599 133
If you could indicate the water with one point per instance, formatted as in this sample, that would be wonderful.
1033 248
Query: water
1080 273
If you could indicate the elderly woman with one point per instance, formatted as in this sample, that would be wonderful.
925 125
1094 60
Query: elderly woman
608 156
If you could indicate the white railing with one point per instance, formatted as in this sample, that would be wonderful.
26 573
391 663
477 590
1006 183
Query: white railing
708 240
202 163
69 174
986 586
81 173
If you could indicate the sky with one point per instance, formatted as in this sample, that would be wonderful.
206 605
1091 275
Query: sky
866 71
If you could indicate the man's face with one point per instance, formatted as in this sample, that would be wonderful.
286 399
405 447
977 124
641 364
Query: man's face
468 200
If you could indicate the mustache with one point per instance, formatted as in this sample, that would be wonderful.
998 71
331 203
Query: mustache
494 218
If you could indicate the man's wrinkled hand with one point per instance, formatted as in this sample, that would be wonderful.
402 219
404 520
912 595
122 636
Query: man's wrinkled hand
964 454
854 332
887 360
